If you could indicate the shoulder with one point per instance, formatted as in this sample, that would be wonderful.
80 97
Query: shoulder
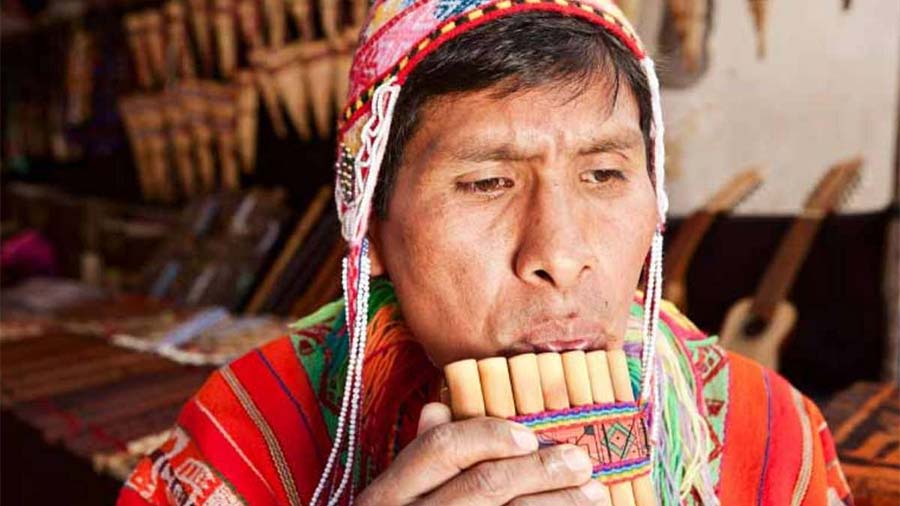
256 429
771 443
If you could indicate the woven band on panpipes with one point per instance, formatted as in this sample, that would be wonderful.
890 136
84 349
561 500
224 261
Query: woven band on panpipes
578 398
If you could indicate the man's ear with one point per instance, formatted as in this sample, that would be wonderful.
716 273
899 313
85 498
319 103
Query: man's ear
375 248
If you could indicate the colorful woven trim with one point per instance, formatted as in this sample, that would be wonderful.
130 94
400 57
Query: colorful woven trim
614 435
466 21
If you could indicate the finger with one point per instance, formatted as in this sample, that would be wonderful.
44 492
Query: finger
433 414
447 449
500 481
591 493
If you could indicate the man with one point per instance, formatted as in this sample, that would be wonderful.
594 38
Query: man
512 154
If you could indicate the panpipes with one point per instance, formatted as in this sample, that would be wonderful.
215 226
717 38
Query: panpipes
574 397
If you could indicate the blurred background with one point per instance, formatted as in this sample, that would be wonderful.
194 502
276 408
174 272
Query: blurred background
166 206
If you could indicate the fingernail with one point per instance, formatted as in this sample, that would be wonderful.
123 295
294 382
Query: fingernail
576 459
524 438
595 491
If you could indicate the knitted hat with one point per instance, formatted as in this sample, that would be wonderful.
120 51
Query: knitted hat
397 36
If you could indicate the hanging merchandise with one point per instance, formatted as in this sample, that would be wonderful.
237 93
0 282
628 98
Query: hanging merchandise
151 128
181 142
129 111
285 67
178 47
222 106
226 39
194 102
689 17
250 26
276 22
759 9
317 64
140 59
202 33
79 76
301 12
249 23
152 35
247 117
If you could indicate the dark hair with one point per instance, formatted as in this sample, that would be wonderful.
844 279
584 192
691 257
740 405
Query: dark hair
514 53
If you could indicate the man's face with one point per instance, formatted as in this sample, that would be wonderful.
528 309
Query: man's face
519 223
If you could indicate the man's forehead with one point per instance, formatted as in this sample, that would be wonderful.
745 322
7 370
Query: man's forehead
491 147
479 127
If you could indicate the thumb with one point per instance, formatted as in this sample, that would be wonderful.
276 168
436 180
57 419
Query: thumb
432 415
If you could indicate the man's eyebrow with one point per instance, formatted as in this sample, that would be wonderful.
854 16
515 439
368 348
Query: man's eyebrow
477 153
621 141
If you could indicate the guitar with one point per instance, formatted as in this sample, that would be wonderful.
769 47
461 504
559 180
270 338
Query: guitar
757 326
693 229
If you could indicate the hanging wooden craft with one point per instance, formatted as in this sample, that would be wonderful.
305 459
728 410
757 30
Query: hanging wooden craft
247 117
79 77
194 103
226 38
690 24
129 115
249 23
133 27
329 17
285 66
276 22
358 11
178 45
301 13
222 105
759 9
153 42
181 141
153 123
265 83
318 73
202 33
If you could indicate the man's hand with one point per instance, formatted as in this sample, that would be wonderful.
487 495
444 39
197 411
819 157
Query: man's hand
482 462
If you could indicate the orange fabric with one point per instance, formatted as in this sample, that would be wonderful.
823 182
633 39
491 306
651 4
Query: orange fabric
744 431
764 455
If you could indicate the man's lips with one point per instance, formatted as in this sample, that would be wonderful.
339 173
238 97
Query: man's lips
561 334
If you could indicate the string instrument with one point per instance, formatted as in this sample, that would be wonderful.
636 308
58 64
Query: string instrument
756 326
572 397
693 229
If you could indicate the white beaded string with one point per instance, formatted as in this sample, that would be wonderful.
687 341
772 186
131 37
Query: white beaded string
652 298
360 335
651 369
356 332
653 292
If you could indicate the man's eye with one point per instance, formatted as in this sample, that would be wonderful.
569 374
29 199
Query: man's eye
603 176
489 185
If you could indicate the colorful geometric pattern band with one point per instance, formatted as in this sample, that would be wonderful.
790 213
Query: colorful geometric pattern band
614 435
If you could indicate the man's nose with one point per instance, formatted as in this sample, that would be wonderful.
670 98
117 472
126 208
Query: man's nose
553 248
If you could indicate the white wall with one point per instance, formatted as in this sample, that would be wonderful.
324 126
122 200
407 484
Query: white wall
828 89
